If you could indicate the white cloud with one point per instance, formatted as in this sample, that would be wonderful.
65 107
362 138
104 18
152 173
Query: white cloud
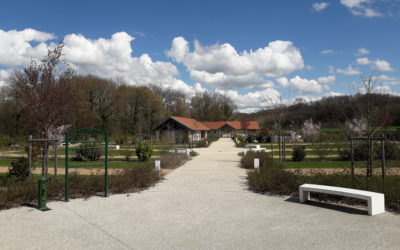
104 57
17 46
385 80
362 52
320 6
361 8
382 66
350 71
377 65
363 61
221 66
252 101
327 52
307 86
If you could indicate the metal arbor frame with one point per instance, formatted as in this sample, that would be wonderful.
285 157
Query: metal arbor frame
369 140
88 134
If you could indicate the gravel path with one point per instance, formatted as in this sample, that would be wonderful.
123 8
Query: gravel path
203 205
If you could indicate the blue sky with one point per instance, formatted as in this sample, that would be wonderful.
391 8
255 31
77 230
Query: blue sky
248 50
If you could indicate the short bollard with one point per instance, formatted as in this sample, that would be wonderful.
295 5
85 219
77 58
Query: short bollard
42 194
257 164
157 165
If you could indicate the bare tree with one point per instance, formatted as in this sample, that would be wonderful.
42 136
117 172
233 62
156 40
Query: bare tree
368 107
43 94
277 108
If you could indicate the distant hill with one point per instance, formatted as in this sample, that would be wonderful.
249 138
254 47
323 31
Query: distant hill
330 111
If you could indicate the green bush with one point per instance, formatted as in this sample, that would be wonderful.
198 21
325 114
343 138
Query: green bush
127 153
88 152
5 141
391 151
298 153
19 168
247 160
239 141
193 153
144 151
250 138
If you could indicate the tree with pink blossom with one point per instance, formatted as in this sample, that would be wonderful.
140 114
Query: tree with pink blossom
310 130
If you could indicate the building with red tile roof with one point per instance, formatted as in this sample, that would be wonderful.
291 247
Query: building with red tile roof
182 129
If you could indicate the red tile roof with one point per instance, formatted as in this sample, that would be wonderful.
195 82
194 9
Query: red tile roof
190 123
248 125
213 125
237 125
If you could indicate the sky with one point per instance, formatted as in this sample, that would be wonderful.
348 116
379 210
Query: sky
252 51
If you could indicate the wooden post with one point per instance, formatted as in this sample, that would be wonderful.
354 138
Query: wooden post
46 159
383 159
370 157
352 156
55 157
30 154
279 146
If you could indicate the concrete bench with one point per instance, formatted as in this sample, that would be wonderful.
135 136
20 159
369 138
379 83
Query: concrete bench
376 201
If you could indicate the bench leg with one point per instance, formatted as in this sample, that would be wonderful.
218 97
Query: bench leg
304 196
376 205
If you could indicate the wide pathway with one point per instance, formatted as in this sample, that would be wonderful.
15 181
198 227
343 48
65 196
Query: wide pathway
204 204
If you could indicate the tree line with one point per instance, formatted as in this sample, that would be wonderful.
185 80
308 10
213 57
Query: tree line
49 94
332 111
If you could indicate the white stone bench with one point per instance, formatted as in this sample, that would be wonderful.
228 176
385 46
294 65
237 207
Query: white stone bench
376 201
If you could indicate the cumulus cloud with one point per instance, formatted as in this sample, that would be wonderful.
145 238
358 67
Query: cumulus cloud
350 71
252 101
382 66
17 46
363 61
104 57
361 8
221 66
320 6
113 58
307 86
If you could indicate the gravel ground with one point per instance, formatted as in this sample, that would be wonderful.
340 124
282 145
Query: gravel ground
204 204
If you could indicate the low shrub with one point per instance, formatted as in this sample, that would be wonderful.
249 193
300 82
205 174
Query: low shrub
247 160
14 193
250 138
19 168
193 153
239 141
127 153
298 153
205 143
172 160
88 152
392 152
5 141
143 151
361 152
273 179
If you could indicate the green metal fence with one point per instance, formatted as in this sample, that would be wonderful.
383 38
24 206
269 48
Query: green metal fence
74 140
